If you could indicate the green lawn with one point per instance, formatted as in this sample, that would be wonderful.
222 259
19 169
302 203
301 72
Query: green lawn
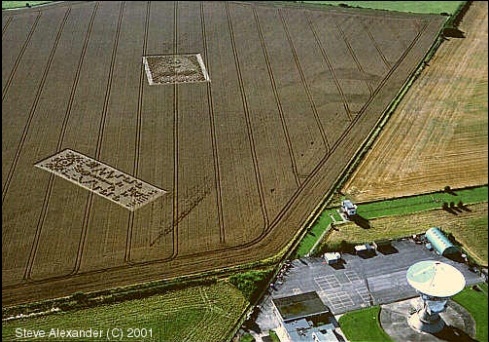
435 7
406 205
363 326
247 337
21 4
273 336
476 303
199 313
317 229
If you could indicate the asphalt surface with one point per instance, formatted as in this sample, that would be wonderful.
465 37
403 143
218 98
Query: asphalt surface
358 283
362 282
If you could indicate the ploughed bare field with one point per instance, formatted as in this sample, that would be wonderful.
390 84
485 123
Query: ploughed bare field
438 134
147 140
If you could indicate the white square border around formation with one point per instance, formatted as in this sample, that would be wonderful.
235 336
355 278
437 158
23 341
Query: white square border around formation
199 59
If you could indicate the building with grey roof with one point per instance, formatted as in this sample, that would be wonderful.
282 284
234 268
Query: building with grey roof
304 317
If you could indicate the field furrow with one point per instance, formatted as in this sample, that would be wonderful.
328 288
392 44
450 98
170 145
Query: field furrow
302 127
197 192
273 158
152 232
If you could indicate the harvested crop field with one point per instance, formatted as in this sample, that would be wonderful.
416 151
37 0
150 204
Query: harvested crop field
110 179
438 134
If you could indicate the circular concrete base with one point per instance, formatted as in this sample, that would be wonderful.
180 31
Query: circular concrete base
458 324
433 327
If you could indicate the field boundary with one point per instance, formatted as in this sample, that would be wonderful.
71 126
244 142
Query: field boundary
82 300
36 6
426 193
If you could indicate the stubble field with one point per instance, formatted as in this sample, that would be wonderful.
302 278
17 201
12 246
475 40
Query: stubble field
238 161
438 134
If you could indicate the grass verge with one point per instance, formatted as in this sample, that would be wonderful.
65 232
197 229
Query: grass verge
315 232
427 7
412 204
476 303
22 4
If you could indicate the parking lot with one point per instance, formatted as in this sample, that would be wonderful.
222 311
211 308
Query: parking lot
361 282
358 282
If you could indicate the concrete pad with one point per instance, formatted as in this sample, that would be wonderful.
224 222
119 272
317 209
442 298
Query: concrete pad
459 324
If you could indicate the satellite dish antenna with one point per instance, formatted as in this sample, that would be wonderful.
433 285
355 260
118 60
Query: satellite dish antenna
436 282
435 278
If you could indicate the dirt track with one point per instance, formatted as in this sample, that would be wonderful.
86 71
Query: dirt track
438 134
244 158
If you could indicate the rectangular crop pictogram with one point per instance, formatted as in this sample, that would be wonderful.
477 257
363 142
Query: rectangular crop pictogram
170 69
105 181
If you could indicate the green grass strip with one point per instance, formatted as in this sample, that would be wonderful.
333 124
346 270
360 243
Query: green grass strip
22 4
407 205
318 228
426 7
476 303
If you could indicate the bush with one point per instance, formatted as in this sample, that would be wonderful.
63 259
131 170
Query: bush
273 336
247 337
80 297
249 283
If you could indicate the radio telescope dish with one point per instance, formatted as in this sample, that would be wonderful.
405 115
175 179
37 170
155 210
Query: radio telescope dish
436 282
435 278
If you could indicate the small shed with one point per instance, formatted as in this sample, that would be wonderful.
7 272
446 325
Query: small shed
365 249
348 208
440 242
332 257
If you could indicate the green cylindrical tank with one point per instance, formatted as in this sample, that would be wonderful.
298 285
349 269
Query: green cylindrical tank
440 242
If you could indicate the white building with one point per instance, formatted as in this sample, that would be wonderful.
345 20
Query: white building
348 208
304 317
